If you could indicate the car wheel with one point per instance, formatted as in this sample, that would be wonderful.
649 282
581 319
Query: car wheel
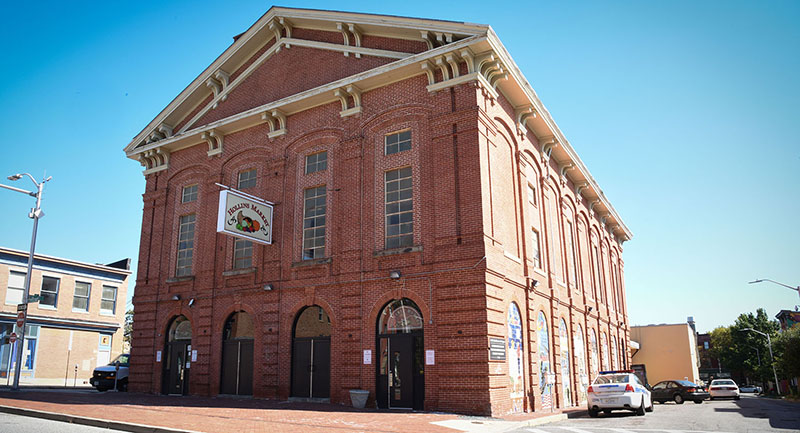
640 410
678 399
736 398
123 386
593 413
607 411
698 402
101 389
711 398
650 409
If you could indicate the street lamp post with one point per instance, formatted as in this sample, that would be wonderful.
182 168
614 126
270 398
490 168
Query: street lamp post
35 213
769 344
761 280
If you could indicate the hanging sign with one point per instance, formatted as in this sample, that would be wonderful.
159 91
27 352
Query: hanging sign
245 217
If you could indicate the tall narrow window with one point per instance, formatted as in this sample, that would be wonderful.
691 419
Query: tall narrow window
569 245
597 287
535 247
80 301
16 288
242 253
398 142
185 245
532 194
314 213
49 292
399 208
189 194
247 179
108 301
317 162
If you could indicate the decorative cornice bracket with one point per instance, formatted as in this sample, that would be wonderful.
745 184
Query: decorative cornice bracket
277 122
215 140
345 94
154 160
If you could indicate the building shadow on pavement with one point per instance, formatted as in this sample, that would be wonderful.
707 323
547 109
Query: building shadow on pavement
781 414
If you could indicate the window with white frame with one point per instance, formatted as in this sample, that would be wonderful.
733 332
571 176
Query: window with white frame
108 300
399 208
317 162
314 222
247 179
242 253
397 142
189 194
80 300
536 248
185 245
49 292
16 288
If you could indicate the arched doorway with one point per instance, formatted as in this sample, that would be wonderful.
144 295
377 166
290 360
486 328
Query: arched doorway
178 349
566 382
237 355
311 354
546 377
401 368
580 354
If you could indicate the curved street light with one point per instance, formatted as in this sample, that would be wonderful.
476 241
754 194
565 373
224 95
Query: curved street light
769 344
35 213
761 280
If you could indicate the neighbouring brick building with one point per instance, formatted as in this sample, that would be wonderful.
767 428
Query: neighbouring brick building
434 239
76 326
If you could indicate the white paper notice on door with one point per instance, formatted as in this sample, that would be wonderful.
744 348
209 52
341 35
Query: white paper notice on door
429 357
158 356
194 356
367 357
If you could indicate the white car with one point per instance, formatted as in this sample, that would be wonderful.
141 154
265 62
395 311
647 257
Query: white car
618 390
723 388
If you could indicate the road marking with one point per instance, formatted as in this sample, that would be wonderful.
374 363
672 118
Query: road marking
536 430
575 430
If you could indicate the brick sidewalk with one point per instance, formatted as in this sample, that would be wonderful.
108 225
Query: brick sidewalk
206 414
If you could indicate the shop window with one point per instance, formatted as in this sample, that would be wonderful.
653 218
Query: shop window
189 194
247 179
397 142
49 292
242 253
314 221
399 208
80 300
185 245
16 288
317 162
108 301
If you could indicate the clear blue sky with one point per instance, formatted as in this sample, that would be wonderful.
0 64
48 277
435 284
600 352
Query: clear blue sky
685 112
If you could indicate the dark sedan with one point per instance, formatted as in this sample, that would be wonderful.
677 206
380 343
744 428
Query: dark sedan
678 391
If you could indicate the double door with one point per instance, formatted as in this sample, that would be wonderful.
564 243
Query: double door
237 367
311 367
176 367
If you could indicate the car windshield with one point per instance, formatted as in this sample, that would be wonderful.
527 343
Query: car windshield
723 382
612 378
686 383
123 360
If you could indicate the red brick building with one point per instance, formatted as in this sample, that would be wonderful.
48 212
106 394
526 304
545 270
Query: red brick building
435 240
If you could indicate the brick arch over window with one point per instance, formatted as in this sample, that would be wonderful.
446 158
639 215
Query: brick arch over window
308 301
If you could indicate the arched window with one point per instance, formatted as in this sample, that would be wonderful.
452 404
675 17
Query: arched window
515 369
545 371
238 327
614 353
401 316
181 329
563 336
594 354
604 348
580 354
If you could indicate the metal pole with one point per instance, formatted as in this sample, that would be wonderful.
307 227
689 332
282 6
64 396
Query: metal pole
777 384
35 212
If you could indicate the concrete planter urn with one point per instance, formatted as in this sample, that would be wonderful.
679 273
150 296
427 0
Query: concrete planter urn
359 398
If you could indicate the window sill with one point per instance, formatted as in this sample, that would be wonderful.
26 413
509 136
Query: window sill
233 272
47 307
107 313
393 251
180 279
312 262
76 310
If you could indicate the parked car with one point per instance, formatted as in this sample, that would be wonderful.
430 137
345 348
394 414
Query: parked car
750 388
103 377
618 390
678 391
723 388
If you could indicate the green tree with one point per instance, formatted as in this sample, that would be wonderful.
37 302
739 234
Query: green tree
788 344
127 330
743 352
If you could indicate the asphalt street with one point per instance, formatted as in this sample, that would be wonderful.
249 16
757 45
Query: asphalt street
22 424
749 415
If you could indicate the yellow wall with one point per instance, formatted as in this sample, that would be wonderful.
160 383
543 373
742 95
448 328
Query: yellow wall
669 352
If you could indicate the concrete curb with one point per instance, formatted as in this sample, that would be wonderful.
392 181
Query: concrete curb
540 421
93 422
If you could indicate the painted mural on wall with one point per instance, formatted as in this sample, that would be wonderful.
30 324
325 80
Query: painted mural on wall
517 385
580 354
595 358
614 352
565 360
545 384
604 347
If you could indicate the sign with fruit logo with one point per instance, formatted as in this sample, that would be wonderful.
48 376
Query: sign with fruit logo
245 217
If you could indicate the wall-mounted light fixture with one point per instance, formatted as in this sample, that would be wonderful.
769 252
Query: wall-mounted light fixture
191 302
589 309
176 297
395 275
535 283
268 287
